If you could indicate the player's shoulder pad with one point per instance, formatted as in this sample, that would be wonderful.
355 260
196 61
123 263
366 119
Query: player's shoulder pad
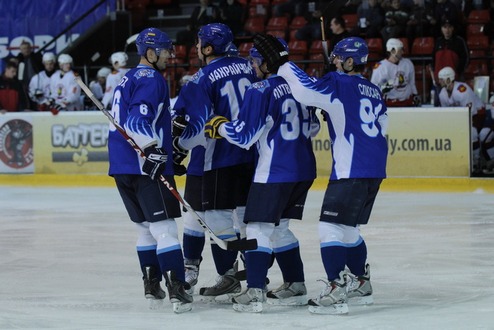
261 86
462 88
144 73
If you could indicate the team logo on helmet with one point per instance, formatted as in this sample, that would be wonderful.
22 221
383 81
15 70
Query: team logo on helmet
16 144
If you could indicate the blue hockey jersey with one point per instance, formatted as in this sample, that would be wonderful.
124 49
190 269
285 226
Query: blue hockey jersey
141 105
196 155
281 127
357 119
218 88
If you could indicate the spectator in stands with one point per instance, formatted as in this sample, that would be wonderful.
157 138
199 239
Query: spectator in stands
395 75
447 10
203 14
338 31
421 21
395 20
312 12
39 86
233 14
458 94
29 64
450 50
12 94
370 19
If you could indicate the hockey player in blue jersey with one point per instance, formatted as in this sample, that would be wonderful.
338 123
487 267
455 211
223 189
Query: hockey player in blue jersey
141 106
357 121
193 233
281 128
218 88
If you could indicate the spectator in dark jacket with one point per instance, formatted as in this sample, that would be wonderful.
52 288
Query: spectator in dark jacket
370 19
12 94
450 50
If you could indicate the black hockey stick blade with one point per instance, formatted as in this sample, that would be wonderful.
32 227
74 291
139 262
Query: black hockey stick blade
242 245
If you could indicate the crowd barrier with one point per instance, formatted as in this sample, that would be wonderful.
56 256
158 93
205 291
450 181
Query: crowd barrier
422 142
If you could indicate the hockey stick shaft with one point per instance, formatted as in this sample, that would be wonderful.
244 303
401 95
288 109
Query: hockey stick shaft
325 46
225 245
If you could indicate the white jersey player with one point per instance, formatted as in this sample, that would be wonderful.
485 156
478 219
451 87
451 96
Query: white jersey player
98 86
118 61
39 86
395 76
63 88
459 94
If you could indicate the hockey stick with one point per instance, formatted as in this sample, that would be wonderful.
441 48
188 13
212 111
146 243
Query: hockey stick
325 46
237 245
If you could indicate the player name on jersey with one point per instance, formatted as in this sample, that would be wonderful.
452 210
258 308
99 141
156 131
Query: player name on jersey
230 70
369 91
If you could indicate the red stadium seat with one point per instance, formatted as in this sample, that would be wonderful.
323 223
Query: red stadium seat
244 48
351 21
423 46
277 23
478 42
481 16
297 22
254 25
297 47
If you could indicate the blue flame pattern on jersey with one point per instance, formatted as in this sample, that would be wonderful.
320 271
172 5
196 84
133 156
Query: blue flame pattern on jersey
280 127
140 105
357 119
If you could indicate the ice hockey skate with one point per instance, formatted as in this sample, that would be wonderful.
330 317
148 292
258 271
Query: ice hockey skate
249 301
332 299
360 289
181 300
288 294
152 287
192 273
226 286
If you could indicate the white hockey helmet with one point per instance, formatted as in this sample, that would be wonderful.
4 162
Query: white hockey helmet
119 57
393 43
446 73
103 73
47 57
64 58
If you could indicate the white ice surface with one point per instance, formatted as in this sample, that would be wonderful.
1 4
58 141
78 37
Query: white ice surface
68 261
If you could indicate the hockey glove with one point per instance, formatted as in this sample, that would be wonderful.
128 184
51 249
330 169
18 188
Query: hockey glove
155 162
211 130
179 124
179 155
273 52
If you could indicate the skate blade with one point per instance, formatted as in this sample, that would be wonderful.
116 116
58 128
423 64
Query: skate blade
365 300
292 301
179 307
335 309
253 307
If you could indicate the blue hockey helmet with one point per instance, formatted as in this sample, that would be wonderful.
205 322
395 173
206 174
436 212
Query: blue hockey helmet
217 35
232 51
255 55
155 39
353 47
